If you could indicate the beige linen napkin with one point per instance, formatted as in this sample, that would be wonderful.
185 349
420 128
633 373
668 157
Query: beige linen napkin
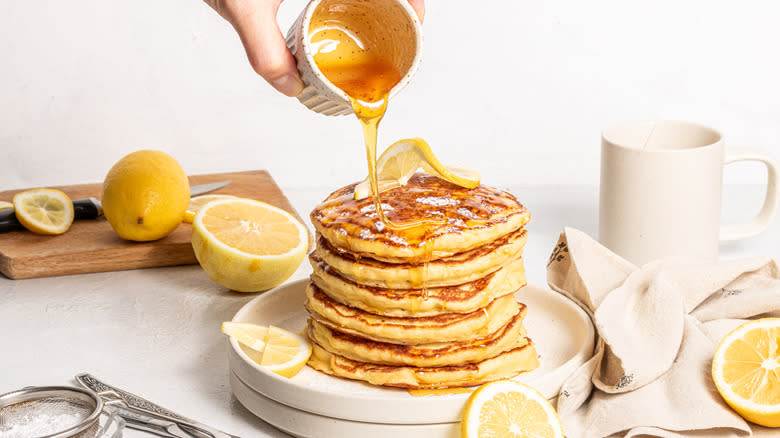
658 327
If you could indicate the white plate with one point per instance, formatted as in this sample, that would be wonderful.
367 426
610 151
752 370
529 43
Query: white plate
562 332
305 424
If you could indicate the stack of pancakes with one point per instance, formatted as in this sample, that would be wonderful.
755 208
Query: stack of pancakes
431 306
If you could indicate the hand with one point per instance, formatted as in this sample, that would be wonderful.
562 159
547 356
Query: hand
255 22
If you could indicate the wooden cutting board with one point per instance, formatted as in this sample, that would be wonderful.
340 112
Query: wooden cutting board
92 246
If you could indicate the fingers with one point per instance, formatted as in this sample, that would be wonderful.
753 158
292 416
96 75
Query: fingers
419 7
255 22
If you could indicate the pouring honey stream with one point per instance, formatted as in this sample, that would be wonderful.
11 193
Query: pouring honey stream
357 58
360 66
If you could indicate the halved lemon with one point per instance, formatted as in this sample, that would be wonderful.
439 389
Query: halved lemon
403 158
276 349
746 371
44 211
246 245
507 408
4 205
199 201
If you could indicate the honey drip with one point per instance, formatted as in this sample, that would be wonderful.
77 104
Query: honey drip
357 66
356 58
369 118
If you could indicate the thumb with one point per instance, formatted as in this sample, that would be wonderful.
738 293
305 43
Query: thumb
255 22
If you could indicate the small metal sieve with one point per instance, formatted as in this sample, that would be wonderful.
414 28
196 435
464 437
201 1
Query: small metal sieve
51 412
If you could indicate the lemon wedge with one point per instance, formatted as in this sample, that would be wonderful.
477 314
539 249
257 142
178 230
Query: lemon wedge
44 211
507 408
403 158
746 371
4 205
199 201
246 245
278 350
251 335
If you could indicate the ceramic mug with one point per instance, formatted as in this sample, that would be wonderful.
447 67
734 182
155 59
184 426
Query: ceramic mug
393 21
661 185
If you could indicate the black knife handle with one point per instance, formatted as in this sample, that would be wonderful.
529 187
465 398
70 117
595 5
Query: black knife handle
86 209
82 209
8 221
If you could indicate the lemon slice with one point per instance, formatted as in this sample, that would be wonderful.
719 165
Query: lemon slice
4 205
44 211
507 408
403 158
746 371
251 335
199 201
276 349
246 245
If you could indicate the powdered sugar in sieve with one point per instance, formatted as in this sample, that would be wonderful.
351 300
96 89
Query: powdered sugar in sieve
50 412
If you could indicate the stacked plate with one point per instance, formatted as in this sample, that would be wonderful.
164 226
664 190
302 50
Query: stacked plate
316 404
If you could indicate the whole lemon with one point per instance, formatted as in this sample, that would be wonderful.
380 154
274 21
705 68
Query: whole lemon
145 195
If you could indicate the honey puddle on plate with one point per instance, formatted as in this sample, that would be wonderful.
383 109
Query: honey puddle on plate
442 391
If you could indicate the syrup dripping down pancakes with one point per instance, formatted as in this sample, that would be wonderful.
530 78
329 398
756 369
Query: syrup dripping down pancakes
373 317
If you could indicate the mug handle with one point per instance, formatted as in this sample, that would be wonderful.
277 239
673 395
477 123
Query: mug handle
763 220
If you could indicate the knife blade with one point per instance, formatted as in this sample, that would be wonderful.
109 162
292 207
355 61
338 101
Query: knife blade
205 188
144 406
91 208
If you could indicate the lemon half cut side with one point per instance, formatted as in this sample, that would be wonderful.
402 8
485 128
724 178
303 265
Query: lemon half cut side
246 245
746 371
509 409
197 202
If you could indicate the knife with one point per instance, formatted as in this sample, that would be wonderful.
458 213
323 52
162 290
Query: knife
141 410
91 208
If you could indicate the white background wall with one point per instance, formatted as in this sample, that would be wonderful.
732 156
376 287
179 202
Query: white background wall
517 89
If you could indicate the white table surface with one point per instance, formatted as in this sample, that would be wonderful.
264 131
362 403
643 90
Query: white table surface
156 332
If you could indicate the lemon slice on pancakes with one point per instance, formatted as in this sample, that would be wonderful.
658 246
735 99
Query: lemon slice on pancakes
278 350
403 158
44 211
507 408
4 205
746 371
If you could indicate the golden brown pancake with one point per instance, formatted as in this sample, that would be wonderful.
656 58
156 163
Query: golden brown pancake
438 354
507 364
446 327
462 298
474 217
456 269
